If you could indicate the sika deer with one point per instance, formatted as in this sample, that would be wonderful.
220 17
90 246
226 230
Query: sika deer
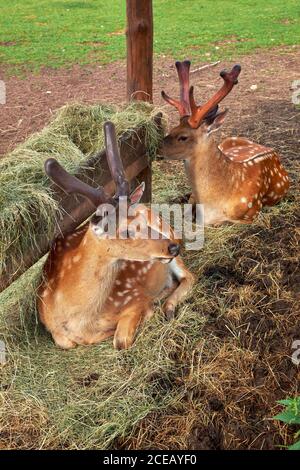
234 179
96 287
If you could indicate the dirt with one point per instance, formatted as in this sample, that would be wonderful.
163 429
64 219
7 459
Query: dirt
31 100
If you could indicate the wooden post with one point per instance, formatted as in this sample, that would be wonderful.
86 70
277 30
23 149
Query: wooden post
139 49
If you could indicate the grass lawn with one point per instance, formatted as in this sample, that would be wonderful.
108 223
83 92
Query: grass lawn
63 32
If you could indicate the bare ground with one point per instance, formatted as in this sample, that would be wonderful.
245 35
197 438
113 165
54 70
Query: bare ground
32 100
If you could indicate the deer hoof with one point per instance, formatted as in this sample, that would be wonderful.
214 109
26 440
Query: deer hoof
169 311
122 342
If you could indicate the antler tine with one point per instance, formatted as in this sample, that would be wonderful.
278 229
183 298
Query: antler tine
200 112
114 160
182 105
183 70
193 105
174 103
70 184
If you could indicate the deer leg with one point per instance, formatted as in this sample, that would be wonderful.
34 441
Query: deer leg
192 199
186 281
242 214
100 336
270 199
63 342
128 323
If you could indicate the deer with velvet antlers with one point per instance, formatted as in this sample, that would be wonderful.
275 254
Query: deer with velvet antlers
233 180
95 287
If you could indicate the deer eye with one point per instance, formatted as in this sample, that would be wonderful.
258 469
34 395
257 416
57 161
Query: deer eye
182 138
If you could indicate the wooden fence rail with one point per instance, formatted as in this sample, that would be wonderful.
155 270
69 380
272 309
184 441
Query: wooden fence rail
77 209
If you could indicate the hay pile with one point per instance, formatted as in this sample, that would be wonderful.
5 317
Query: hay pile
27 207
209 379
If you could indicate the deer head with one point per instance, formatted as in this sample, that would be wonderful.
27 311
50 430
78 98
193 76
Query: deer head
197 123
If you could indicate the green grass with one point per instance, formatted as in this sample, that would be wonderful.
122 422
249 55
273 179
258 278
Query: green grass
64 32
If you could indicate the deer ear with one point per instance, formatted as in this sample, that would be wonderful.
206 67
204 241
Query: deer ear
217 122
137 193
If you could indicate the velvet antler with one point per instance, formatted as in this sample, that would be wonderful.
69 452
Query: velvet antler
114 160
70 184
183 105
201 112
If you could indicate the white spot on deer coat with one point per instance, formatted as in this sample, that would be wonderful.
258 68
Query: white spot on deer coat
127 299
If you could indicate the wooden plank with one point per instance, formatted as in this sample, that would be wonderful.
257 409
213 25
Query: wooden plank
139 50
77 209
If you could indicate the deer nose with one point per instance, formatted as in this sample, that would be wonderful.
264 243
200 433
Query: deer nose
174 249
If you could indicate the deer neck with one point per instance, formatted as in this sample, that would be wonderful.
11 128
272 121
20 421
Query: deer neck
208 170
98 268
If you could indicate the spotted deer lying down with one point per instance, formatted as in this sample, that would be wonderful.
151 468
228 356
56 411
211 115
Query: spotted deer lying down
96 287
233 180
